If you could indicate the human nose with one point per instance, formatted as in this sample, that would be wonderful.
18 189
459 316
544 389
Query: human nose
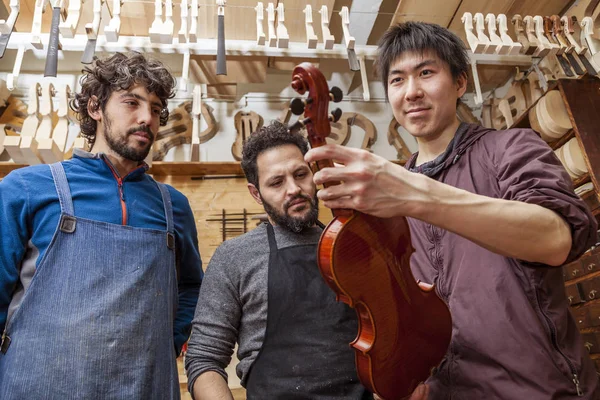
293 189
413 89
145 116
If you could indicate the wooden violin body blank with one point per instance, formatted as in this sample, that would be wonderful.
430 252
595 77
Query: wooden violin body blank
404 331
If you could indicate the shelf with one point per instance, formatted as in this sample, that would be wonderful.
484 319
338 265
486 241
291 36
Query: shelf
6 167
168 168
564 139
232 168
582 180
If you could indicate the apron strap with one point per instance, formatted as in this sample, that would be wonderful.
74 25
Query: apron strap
67 212
168 205
271 236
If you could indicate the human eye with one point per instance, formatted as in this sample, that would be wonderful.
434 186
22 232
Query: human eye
426 72
395 80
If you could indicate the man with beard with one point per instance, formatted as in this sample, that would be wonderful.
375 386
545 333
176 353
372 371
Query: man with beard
264 291
99 263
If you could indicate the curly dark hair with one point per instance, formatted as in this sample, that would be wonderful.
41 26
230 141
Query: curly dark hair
120 72
273 135
420 37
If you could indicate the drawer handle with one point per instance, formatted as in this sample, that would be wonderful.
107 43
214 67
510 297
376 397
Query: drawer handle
570 300
589 346
591 266
574 272
592 294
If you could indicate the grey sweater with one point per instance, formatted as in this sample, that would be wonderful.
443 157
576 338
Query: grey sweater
233 302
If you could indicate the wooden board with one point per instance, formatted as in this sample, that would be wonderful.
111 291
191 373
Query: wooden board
437 12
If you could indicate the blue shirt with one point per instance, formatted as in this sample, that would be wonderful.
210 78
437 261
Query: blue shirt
30 211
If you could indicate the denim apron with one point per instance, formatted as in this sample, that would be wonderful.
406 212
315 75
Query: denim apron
306 353
97 320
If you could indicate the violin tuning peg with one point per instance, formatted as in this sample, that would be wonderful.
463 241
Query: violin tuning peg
297 106
336 94
335 115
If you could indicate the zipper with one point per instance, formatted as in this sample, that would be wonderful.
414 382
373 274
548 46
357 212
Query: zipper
120 188
554 341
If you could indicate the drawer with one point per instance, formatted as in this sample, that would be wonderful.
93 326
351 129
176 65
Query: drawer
573 294
591 341
582 318
594 314
573 270
591 288
590 264
591 199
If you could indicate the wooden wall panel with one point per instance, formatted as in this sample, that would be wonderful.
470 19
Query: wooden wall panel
437 12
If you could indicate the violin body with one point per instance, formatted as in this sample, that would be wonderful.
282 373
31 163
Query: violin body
404 331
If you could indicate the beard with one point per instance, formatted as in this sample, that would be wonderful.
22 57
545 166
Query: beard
120 145
294 224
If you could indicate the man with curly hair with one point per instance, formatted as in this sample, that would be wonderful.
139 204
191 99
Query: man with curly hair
99 263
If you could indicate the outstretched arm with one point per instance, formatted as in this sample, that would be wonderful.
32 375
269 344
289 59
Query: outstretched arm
376 186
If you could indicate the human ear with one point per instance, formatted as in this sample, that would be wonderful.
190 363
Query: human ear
93 108
255 193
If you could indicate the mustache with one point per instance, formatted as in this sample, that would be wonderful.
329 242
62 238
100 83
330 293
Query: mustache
286 205
142 128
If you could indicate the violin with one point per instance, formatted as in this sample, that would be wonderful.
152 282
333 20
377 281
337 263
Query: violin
403 330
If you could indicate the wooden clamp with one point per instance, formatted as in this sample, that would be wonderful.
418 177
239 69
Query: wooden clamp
475 45
47 149
283 38
481 36
155 30
91 30
113 29
348 39
196 113
514 48
65 117
311 38
271 25
587 32
528 47
182 35
495 40
23 148
260 16
540 50
185 71
12 78
193 36
68 27
328 38
36 25
394 139
166 34
6 26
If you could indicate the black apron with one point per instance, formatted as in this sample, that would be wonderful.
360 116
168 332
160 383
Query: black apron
306 352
